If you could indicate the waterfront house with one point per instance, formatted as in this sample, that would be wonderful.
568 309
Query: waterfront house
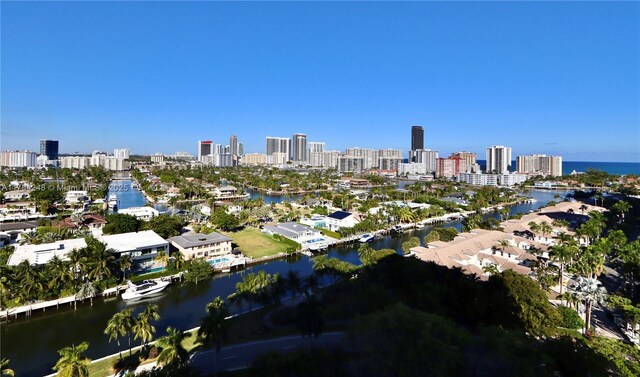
11 231
16 195
75 196
142 247
341 219
293 231
142 213
198 245
315 221
479 249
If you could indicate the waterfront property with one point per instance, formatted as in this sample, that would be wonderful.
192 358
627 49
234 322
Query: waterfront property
293 231
198 245
141 213
574 213
142 247
256 244
479 249
341 219
10 232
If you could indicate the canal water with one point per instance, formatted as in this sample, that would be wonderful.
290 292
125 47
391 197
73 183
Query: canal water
32 344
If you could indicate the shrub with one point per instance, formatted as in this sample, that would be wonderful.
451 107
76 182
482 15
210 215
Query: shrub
570 318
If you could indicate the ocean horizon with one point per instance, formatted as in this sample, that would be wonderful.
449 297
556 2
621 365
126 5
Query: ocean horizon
618 168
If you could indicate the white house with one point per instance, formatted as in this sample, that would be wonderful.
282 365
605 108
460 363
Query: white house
293 231
341 219
142 213
75 196
142 247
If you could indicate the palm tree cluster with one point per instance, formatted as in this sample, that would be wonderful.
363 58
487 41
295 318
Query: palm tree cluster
93 264
125 324
260 287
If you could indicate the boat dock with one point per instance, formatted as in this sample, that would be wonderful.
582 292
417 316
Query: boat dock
28 310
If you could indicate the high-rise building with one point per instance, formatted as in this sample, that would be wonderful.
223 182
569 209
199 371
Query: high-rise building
450 167
18 159
469 157
279 145
121 153
424 156
498 159
254 159
540 164
417 137
204 149
389 163
49 148
299 150
349 163
240 149
389 153
75 162
233 145
370 157
316 146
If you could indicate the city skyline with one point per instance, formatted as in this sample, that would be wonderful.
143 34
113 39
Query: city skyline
492 75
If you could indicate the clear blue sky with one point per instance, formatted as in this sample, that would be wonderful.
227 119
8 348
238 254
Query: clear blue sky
156 77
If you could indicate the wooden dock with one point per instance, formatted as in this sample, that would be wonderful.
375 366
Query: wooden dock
27 310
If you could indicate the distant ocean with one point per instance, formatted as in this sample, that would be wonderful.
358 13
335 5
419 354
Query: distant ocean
582 166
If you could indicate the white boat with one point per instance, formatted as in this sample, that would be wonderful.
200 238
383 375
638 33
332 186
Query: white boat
366 238
145 288
318 246
113 201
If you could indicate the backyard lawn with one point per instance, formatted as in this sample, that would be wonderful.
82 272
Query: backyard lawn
253 243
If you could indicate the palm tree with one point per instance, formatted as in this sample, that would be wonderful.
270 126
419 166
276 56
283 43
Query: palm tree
120 325
311 283
545 228
87 291
30 238
31 280
72 362
125 262
59 272
591 292
77 260
4 368
621 208
142 328
294 283
310 320
502 244
172 350
583 208
214 326
162 258
534 227
562 254
178 260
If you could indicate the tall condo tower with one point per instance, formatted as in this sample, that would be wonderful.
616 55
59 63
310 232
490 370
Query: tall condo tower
498 159
417 138
299 152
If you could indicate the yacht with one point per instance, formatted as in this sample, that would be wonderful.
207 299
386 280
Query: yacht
113 201
143 289
366 238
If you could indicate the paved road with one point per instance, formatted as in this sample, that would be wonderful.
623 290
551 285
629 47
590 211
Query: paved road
242 355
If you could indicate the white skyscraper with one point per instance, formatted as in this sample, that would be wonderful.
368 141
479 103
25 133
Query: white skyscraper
121 153
498 159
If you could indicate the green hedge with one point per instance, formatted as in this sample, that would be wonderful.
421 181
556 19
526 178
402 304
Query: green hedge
293 245
329 233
